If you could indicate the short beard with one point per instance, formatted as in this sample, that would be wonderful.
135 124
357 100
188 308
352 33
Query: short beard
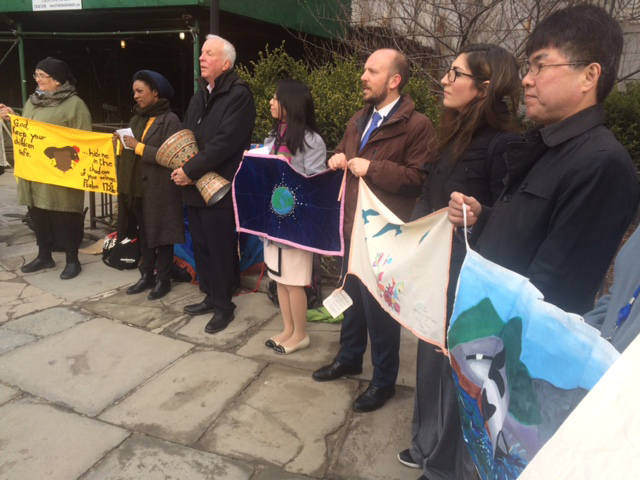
376 99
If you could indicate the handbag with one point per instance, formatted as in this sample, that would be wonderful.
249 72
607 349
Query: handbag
123 255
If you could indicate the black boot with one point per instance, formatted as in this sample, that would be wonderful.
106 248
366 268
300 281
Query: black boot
73 268
160 290
147 280
42 261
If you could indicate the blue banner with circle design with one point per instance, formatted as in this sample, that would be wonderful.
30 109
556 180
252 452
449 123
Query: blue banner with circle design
272 200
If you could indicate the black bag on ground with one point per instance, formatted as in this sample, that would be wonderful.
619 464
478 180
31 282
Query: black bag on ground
123 255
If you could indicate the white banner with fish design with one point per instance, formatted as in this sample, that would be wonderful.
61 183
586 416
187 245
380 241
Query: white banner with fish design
405 266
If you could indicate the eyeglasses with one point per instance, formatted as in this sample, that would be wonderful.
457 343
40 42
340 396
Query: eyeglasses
453 74
536 67
40 76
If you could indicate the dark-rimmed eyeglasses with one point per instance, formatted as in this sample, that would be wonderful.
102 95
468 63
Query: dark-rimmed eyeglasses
453 74
534 69
40 76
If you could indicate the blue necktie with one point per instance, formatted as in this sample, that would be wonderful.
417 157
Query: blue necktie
374 124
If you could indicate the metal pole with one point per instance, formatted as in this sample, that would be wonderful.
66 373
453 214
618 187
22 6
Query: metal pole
23 76
196 54
95 34
214 17
9 51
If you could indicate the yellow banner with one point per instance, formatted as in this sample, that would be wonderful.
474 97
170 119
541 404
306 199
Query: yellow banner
63 156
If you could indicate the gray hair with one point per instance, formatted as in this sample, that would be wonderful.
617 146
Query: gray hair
228 49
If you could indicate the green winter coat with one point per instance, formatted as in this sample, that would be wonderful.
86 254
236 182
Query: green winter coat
72 113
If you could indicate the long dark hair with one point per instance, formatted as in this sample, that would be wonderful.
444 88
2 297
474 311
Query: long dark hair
493 108
295 99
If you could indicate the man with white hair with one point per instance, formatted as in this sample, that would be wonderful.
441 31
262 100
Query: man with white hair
222 115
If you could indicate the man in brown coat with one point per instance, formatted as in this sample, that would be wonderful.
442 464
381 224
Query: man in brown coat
386 143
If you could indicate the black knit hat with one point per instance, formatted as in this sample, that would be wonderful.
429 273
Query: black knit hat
56 69
156 81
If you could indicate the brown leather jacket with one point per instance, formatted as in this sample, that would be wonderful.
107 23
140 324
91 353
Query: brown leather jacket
397 149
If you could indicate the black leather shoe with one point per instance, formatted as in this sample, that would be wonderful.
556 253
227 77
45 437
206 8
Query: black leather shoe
219 322
71 270
160 290
147 280
37 264
198 308
373 398
335 371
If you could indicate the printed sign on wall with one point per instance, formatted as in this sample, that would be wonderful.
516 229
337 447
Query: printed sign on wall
42 5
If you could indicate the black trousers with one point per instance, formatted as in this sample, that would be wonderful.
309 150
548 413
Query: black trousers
367 316
61 228
130 224
437 443
215 248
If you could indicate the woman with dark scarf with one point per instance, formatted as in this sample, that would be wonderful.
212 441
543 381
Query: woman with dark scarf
149 203
56 212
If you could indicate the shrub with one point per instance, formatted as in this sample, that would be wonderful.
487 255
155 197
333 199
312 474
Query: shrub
335 86
623 118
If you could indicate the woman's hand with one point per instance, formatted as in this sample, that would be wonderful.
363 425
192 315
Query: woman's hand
130 142
115 139
5 111
457 203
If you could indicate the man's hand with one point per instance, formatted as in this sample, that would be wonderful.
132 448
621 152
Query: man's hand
457 203
338 161
359 166
5 111
180 178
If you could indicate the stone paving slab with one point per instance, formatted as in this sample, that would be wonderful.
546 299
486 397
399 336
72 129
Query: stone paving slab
31 299
4 276
325 342
277 474
91 365
18 298
283 418
180 403
7 393
252 311
96 278
148 458
370 449
47 322
10 339
40 441
138 310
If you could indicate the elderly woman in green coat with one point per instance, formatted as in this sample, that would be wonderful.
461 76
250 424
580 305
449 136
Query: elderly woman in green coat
56 211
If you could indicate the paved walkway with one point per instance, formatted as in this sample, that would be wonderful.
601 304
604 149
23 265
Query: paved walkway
97 384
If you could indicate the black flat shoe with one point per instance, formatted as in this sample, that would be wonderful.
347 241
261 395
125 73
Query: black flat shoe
38 264
147 280
373 398
219 322
160 290
198 308
335 371
71 270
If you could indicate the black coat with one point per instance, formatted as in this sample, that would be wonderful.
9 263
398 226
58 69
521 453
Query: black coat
161 202
571 193
475 173
478 173
222 121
